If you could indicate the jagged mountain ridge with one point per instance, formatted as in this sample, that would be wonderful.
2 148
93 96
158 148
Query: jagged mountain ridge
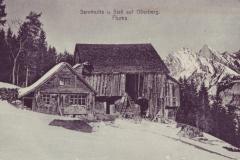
207 65
232 60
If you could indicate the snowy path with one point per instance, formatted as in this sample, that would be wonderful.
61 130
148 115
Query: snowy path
25 135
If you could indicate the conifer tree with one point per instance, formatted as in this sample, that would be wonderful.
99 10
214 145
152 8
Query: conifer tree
204 117
29 34
232 124
65 57
42 54
52 58
180 111
3 56
2 13
188 99
219 113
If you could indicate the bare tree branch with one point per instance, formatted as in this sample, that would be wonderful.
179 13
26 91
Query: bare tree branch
16 23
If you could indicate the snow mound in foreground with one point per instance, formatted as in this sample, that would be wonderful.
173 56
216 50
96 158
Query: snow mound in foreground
26 135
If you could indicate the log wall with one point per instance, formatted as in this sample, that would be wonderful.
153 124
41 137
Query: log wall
60 102
60 94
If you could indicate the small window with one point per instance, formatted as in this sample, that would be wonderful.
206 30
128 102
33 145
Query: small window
54 97
61 83
174 101
64 81
45 98
78 99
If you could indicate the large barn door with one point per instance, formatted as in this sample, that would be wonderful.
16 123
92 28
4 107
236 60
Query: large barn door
131 85
134 85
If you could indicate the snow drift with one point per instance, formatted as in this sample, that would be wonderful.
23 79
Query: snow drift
26 135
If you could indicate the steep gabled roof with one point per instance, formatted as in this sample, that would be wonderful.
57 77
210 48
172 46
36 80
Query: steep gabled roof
47 76
120 57
76 65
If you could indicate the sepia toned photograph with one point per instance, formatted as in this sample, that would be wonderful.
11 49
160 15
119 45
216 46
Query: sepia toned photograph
120 80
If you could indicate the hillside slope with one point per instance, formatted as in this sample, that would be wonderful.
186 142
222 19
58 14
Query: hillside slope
26 135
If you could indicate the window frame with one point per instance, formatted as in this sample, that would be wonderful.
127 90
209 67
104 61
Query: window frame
45 97
78 99
64 81
174 101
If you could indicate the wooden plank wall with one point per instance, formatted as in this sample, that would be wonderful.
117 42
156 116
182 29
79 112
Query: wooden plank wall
108 84
157 89
154 88
52 108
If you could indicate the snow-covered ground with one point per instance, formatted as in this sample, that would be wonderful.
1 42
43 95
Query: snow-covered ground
26 135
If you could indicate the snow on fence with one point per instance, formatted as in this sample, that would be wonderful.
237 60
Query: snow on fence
8 94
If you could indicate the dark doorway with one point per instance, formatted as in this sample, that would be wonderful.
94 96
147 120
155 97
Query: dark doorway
143 102
28 102
108 109
134 85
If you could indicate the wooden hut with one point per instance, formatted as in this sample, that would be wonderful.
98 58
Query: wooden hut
128 71
60 91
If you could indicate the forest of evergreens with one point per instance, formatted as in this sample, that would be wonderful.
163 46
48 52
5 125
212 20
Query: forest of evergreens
25 54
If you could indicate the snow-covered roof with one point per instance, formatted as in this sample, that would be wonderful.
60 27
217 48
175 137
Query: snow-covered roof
24 91
76 65
8 85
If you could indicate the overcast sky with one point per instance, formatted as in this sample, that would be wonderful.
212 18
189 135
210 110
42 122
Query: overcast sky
181 23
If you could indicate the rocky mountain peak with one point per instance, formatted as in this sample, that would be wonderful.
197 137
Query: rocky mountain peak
206 52
207 65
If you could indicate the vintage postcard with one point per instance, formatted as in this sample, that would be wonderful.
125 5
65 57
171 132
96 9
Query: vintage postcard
119 80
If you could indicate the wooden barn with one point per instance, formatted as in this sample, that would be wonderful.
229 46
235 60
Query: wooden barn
127 74
60 91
